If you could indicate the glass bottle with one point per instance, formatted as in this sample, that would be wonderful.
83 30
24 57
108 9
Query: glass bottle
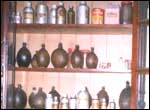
71 16
52 15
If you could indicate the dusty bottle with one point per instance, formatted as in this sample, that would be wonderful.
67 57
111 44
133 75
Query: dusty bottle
77 58
103 103
124 98
34 62
71 16
112 105
55 103
73 102
18 18
49 101
28 13
55 94
61 14
82 13
64 102
23 56
59 57
52 15
83 99
41 13
43 57
91 59
102 94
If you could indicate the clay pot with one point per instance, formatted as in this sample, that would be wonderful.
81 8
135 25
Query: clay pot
34 62
31 97
20 98
38 100
124 98
59 57
77 58
10 96
43 57
23 56
91 59
55 93
102 94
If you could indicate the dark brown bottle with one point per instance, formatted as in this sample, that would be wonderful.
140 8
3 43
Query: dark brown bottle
31 97
55 94
59 57
43 57
102 94
77 58
124 99
34 62
39 99
23 56
71 16
91 59
20 98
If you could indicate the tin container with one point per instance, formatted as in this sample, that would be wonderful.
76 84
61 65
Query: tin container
97 16
52 15
28 13
41 13
82 13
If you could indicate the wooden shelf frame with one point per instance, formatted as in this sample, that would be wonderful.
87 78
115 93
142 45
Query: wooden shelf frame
143 70
70 70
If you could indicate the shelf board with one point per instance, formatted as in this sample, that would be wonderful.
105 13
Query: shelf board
144 21
143 70
72 70
75 28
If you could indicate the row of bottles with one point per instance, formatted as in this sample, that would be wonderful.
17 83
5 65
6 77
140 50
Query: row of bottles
59 58
113 14
38 99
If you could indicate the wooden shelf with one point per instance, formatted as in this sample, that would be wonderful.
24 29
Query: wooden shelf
72 70
76 28
143 70
145 21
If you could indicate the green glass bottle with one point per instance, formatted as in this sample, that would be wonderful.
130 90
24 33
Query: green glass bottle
71 16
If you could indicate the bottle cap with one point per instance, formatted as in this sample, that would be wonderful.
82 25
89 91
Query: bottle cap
61 3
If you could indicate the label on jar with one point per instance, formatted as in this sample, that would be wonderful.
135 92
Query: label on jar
61 17
97 16
28 17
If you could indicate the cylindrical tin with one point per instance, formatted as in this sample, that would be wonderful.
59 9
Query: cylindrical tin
52 15
18 18
28 13
41 13
82 13
97 16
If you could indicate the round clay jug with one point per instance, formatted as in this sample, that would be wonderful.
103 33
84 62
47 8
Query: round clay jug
55 93
20 98
23 56
43 57
31 97
124 98
34 62
102 94
10 96
39 99
59 57
77 58
91 59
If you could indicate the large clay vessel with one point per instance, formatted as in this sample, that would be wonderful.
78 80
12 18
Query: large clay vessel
102 94
124 99
20 98
77 58
31 97
43 57
59 57
23 56
91 59
38 99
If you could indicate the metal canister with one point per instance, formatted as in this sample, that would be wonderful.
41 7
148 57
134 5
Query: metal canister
41 13
28 13
52 15
82 13
18 18
97 16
